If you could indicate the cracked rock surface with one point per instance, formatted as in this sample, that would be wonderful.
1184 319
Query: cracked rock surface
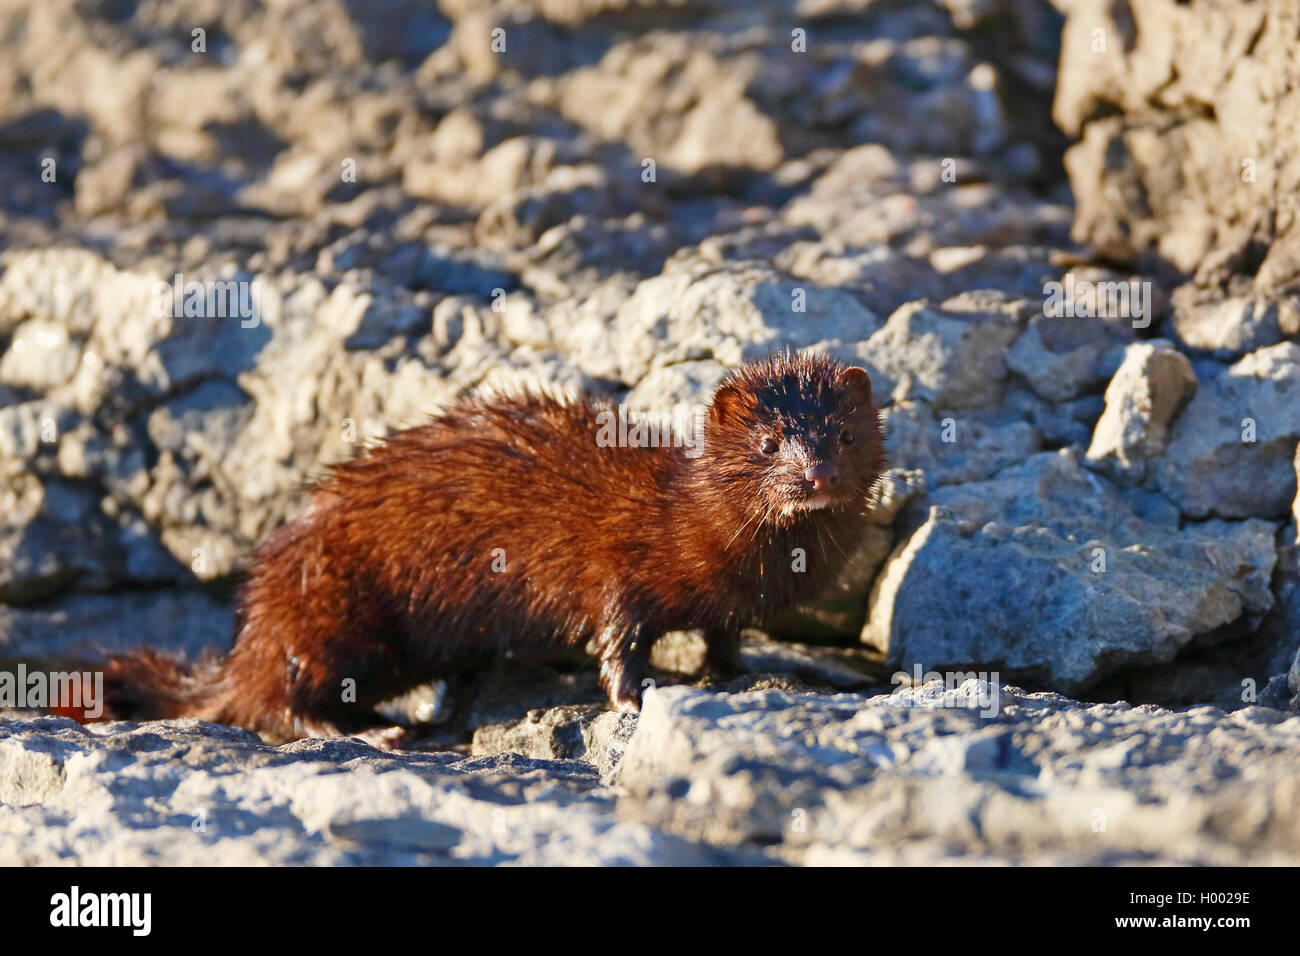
973 774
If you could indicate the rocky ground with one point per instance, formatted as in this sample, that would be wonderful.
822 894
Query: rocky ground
1068 260
764 777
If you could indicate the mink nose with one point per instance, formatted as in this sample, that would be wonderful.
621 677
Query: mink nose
822 475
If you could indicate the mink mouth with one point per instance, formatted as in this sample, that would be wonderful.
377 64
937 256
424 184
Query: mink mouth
813 502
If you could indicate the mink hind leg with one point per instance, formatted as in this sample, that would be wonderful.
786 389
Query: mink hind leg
287 689
722 659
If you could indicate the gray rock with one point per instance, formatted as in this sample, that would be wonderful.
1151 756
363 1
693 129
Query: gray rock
976 773
881 277
57 534
671 387
60 286
952 357
1148 391
29 429
1276 693
958 446
1295 505
161 794
1231 452
1063 357
1233 104
1060 425
452 165
1191 164
1044 531
1229 327
576 732
732 314
554 734
41 356
869 196
674 103
84 626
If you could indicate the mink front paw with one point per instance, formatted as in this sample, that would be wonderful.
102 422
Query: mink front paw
383 738
623 675
627 704
625 696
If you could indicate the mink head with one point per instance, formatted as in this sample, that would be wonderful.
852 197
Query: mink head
795 434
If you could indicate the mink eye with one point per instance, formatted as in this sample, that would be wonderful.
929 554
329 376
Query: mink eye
768 446
846 437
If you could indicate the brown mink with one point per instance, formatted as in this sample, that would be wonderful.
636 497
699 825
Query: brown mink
505 525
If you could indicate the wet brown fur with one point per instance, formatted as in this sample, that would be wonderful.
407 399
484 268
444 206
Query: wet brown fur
388 578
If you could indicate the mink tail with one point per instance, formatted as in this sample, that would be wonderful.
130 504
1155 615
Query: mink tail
147 684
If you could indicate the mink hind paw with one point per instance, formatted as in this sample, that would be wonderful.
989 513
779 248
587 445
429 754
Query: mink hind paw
721 673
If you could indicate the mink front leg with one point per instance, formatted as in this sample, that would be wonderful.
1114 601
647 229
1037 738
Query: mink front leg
722 657
624 654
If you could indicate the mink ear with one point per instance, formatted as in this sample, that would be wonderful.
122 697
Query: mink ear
856 379
726 401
